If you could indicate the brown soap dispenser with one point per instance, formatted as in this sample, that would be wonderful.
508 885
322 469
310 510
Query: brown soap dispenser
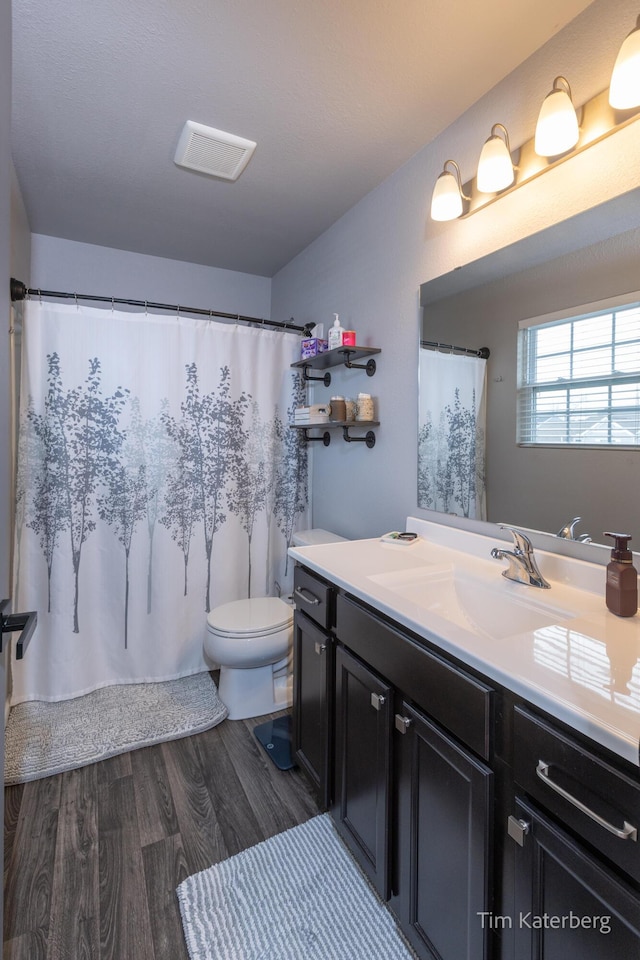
622 578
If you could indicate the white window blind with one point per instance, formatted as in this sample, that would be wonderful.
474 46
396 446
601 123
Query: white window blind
579 376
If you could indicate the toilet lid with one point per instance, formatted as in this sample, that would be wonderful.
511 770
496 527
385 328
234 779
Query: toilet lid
250 617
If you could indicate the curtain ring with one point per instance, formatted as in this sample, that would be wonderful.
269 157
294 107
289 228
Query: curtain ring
178 313
145 308
112 302
76 299
40 296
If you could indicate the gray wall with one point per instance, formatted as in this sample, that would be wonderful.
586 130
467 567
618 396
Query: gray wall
20 233
534 487
5 272
5 260
369 265
68 266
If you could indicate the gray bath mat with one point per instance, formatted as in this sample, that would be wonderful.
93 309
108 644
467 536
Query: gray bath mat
297 896
46 738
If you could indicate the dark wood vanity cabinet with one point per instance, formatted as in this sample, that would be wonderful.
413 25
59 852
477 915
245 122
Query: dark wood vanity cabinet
573 849
413 804
445 789
313 682
566 903
442 883
362 800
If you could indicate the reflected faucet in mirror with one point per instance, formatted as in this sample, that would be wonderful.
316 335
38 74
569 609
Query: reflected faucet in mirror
522 562
568 532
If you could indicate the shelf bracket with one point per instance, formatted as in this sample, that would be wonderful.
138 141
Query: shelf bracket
24 622
369 366
326 436
326 379
369 438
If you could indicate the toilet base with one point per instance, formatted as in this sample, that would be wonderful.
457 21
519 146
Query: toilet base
254 692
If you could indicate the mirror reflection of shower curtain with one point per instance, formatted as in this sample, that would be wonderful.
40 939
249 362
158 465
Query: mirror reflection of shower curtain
451 437
156 479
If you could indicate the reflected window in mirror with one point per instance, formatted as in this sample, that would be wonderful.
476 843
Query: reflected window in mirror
579 376
546 276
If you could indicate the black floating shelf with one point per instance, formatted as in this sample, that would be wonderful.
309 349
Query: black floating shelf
337 356
345 425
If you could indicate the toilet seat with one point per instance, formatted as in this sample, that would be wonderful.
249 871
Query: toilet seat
254 617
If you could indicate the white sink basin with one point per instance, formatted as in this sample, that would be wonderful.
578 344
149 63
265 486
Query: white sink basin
494 607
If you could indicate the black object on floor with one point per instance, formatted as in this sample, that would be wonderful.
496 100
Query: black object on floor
275 737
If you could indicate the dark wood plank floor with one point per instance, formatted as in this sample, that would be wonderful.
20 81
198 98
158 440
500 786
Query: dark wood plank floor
93 856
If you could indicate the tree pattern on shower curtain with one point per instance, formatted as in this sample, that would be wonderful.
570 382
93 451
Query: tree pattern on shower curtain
159 455
252 477
123 502
95 458
210 436
290 485
450 459
79 448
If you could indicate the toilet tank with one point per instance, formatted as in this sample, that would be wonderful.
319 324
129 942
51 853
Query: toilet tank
310 538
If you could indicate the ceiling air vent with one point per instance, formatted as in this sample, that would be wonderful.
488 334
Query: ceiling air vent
213 151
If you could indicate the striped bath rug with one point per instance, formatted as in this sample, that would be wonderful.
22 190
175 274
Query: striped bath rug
42 739
297 896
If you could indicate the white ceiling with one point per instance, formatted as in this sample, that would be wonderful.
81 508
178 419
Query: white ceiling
337 94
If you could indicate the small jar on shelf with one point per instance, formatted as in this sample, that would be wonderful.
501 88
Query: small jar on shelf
364 407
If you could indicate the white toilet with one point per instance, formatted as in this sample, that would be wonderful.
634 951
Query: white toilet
251 640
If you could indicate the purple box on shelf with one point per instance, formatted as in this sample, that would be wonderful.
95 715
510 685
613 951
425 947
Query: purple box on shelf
312 347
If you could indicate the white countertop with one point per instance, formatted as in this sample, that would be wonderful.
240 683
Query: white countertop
583 669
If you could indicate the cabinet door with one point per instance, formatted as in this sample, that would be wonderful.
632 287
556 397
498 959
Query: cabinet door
566 903
313 703
444 815
362 766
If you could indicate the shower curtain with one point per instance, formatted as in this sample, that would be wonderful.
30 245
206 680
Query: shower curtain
451 439
156 479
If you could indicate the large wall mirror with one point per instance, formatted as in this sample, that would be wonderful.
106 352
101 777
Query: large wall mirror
590 258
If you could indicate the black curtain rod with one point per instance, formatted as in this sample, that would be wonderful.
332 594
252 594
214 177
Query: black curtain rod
20 292
484 353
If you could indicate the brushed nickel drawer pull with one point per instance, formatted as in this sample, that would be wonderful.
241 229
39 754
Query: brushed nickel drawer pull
402 723
377 701
517 829
628 832
311 598
320 648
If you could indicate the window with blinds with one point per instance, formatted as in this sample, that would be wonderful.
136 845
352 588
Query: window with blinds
579 376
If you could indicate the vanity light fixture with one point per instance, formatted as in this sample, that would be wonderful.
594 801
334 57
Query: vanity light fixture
624 89
495 167
446 201
558 137
557 129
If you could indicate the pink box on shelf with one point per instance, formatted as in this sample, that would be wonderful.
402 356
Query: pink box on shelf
312 347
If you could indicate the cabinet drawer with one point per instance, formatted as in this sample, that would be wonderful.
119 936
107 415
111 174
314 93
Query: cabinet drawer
457 701
313 596
598 802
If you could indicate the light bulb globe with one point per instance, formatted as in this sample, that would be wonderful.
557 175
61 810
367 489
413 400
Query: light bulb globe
557 129
446 201
495 167
624 90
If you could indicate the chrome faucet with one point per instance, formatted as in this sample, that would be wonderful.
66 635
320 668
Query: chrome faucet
522 563
568 532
